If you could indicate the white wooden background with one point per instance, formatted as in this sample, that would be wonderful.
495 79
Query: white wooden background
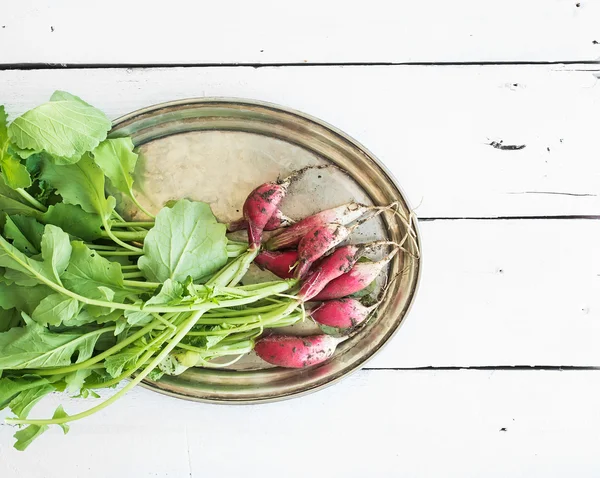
494 372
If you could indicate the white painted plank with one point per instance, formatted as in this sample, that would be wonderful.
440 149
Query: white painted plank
266 31
430 125
507 292
386 423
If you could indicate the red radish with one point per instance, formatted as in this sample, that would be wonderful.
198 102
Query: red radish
291 236
296 352
276 221
260 205
279 263
263 202
329 268
340 317
359 277
317 242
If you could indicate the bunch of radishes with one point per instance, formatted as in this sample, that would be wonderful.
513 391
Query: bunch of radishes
308 250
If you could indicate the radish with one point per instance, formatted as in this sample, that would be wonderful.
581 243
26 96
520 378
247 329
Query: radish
276 221
318 242
260 205
296 352
340 317
344 214
279 263
359 277
263 202
330 267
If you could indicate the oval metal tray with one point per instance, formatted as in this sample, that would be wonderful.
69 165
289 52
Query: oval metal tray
217 150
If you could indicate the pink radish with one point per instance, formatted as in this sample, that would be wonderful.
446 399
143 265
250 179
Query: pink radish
330 267
276 221
291 236
263 202
279 263
359 277
340 317
318 242
296 352
260 205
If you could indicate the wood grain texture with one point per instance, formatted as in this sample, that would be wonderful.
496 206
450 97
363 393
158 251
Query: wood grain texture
266 31
521 292
431 126
381 424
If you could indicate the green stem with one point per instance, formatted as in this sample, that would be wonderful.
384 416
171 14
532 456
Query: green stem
133 275
103 247
239 347
142 208
143 359
183 330
236 249
247 259
267 291
31 200
133 224
120 219
125 235
117 215
142 285
204 363
258 285
132 267
120 253
116 239
241 313
98 358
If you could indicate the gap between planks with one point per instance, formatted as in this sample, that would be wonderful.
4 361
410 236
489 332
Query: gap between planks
510 368
509 218
91 66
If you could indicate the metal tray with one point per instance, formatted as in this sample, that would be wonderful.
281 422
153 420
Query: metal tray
217 150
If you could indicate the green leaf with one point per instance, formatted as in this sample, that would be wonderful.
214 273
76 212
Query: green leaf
11 202
66 127
27 271
55 309
80 184
88 273
31 270
11 387
172 366
186 240
26 436
122 325
14 173
171 293
23 298
117 160
56 250
116 363
138 317
74 220
75 380
102 313
22 404
207 341
9 205
25 232
9 319
34 346
60 413
155 375
83 318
